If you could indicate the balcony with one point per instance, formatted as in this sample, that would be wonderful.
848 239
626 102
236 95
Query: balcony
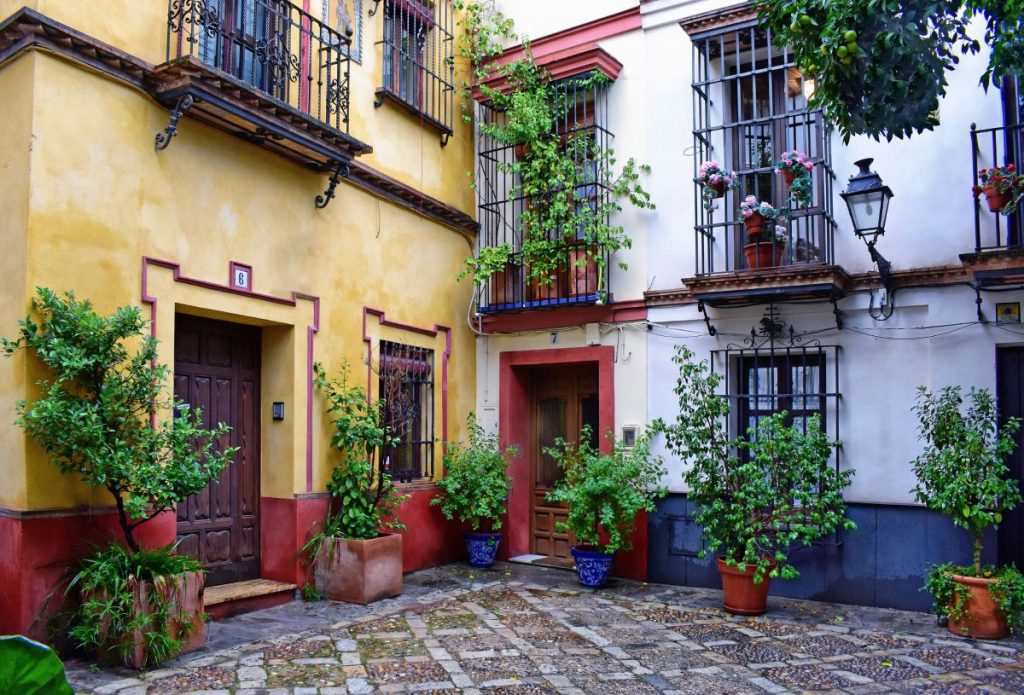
265 71
998 257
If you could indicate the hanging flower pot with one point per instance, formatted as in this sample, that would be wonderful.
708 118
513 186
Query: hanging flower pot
996 200
754 224
788 176
719 188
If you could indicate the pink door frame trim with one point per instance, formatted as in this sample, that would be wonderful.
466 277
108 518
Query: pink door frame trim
311 330
430 332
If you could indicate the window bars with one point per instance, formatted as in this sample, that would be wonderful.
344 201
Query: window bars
270 45
406 390
998 147
750 106
578 278
418 56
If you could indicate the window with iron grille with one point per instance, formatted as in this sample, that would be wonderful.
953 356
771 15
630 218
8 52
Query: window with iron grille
771 372
582 126
418 58
406 388
750 106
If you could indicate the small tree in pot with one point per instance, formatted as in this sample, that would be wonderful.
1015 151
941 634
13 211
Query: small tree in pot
604 492
97 418
962 474
475 490
353 559
757 496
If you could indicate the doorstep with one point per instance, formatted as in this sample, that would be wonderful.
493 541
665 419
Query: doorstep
544 561
241 597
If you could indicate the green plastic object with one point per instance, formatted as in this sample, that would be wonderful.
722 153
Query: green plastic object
29 668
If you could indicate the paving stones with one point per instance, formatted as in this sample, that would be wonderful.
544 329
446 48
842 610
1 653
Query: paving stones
527 631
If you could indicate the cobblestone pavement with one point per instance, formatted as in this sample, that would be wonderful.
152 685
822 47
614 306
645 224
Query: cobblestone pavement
519 630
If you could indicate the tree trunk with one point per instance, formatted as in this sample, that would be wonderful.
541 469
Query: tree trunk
977 554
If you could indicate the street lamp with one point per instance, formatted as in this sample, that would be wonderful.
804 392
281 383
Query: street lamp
868 201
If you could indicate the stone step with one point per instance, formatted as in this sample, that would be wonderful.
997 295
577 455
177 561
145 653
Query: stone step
240 597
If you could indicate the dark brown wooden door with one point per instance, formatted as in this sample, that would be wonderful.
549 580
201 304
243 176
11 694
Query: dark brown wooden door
1010 399
217 369
563 400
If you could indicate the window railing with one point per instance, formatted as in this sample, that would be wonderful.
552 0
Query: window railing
271 46
418 60
996 147
750 105
406 388
579 278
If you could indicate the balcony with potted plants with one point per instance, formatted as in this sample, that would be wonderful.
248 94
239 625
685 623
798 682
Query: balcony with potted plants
998 256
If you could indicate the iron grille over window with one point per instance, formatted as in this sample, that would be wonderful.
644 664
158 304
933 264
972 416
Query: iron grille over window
774 370
998 147
750 106
418 56
502 203
270 45
406 387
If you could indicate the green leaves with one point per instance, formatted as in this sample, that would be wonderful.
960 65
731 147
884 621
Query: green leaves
30 668
476 483
97 417
962 471
604 493
758 496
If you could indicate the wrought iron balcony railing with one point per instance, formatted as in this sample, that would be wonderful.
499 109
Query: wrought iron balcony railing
996 147
271 46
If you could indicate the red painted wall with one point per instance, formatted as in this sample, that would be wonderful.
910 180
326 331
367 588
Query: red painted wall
431 539
36 552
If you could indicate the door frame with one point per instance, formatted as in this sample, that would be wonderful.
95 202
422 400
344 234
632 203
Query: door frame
514 420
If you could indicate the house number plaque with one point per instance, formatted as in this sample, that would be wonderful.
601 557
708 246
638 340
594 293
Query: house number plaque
241 277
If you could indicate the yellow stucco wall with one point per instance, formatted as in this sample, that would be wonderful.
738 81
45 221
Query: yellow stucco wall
102 199
403 148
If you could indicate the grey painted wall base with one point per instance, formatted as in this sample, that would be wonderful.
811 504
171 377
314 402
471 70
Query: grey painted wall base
881 563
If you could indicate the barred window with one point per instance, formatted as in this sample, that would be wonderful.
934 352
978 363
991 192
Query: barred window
418 56
406 388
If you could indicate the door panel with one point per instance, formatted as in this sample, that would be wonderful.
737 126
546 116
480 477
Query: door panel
1010 399
563 400
216 369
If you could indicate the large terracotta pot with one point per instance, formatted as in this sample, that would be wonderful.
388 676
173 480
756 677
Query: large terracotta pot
765 254
982 619
740 594
571 280
359 571
996 200
184 594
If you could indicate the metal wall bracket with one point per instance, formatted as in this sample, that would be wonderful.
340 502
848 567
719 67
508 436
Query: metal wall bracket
444 138
164 139
712 331
376 6
837 312
341 170
977 300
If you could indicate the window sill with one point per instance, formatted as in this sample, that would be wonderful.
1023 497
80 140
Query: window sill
386 95
416 485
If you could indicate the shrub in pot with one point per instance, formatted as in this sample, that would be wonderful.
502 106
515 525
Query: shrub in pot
757 496
475 490
604 493
962 474
714 180
354 559
99 417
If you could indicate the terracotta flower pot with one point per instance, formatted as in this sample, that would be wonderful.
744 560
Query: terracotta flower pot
571 280
504 285
789 177
996 200
718 188
982 618
740 595
359 571
765 254
754 224
184 595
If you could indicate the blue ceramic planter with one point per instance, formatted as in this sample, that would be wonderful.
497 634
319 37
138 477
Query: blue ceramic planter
482 548
592 567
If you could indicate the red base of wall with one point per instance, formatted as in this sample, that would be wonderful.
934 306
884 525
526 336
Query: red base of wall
37 550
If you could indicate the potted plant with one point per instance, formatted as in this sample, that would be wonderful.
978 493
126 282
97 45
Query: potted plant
796 168
756 214
475 490
604 493
962 474
714 181
1003 188
767 249
757 496
494 265
354 558
100 417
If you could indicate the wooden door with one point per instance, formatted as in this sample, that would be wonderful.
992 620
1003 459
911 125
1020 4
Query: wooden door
563 400
1010 399
217 369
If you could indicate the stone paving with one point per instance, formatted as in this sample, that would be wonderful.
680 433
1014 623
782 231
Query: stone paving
519 630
